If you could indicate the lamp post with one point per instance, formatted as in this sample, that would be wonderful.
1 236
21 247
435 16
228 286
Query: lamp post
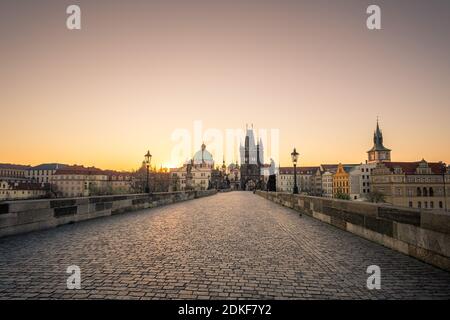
294 156
148 159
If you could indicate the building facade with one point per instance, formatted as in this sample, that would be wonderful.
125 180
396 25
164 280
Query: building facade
341 181
10 190
306 179
79 181
360 185
43 173
419 184
327 183
13 172
195 174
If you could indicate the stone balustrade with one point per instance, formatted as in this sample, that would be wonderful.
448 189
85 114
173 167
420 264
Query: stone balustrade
420 233
29 215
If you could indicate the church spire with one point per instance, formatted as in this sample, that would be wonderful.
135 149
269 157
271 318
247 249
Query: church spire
378 135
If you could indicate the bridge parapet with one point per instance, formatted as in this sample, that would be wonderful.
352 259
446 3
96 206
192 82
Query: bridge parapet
30 215
423 234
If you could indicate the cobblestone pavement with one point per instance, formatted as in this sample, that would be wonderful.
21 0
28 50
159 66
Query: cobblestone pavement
227 246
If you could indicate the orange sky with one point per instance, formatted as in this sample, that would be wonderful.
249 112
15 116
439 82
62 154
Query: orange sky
138 70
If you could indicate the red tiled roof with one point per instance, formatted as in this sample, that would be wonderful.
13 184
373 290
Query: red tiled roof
75 170
79 170
410 167
300 170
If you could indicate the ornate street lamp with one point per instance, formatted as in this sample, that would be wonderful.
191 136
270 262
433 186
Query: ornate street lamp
294 156
148 160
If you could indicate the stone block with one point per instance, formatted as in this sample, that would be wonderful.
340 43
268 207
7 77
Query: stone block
429 257
121 204
27 205
307 204
99 206
379 225
331 211
428 239
83 209
34 216
120 198
316 205
8 219
363 208
62 203
322 217
373 236
399 215
437 221
64 211
355 229
82 201
353 218
140 201
338 222
400 246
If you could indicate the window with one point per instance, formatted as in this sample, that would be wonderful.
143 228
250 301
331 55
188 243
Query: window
431 192
426 204
410 204
440 204
419 193
425 192
431 204
419 204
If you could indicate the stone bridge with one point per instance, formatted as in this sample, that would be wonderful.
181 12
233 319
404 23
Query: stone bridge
234 245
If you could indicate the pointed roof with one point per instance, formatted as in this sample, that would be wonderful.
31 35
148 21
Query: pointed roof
378 140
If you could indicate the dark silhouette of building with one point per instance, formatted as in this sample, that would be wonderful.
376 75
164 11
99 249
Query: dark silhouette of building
251 167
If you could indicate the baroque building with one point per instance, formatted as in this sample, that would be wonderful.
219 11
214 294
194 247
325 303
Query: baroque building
80 181
13 172
195 174
306 179
43 173
419 184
